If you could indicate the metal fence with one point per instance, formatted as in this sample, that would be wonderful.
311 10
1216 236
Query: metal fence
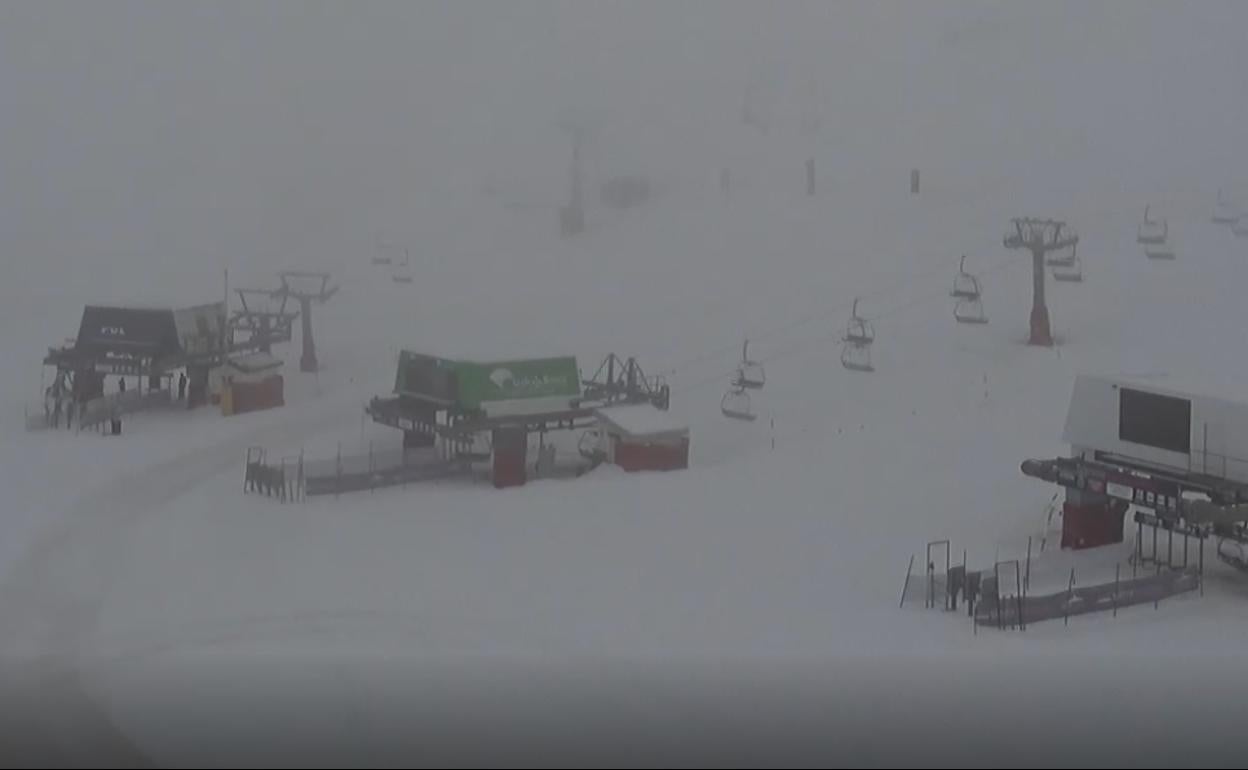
281 478
1015 611
101 410
1217 465
1000 595
294 478
96 413
377 468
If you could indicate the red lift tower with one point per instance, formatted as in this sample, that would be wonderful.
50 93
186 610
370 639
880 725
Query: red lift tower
1039 236
306 287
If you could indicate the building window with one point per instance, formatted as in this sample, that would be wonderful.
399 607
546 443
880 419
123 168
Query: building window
1162 422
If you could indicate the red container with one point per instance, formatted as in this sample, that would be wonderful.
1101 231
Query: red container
657 456
255 396
1093 525
510 455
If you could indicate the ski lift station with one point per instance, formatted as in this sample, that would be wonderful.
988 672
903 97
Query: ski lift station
475 411
151 346
1179 458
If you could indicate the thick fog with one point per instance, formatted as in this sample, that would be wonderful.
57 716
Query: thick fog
226 132
145 147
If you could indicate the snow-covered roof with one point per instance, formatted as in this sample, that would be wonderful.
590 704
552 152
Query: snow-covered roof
1183 384
642 420
255 362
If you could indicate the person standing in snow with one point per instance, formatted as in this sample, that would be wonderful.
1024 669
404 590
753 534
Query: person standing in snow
121 386
182 386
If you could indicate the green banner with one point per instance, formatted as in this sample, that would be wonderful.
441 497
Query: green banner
425 377
511 380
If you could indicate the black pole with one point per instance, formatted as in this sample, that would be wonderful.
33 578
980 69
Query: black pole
906 585
1139 545
996 578
1027 575
1018 589
1070 594
947 565
930 599
1200 576
1116 568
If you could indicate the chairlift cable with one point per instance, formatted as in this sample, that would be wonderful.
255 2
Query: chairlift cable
784 353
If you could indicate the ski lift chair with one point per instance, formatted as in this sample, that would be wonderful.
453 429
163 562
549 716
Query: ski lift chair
859 331
856 357
1065 258
970 311
1152 231
1069 271
736 403
965 285
750 374
1160 251
857 342
380 257
404 272
1224 213
970 306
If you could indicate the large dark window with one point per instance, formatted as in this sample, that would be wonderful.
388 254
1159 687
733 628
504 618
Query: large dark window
1163 422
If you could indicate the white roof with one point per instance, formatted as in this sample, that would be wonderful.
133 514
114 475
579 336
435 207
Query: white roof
1208 384
517 406
642 420
252 362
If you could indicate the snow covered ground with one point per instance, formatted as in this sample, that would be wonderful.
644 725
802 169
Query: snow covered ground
787 541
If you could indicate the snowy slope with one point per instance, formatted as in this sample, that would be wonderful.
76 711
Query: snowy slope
859 479
793 553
